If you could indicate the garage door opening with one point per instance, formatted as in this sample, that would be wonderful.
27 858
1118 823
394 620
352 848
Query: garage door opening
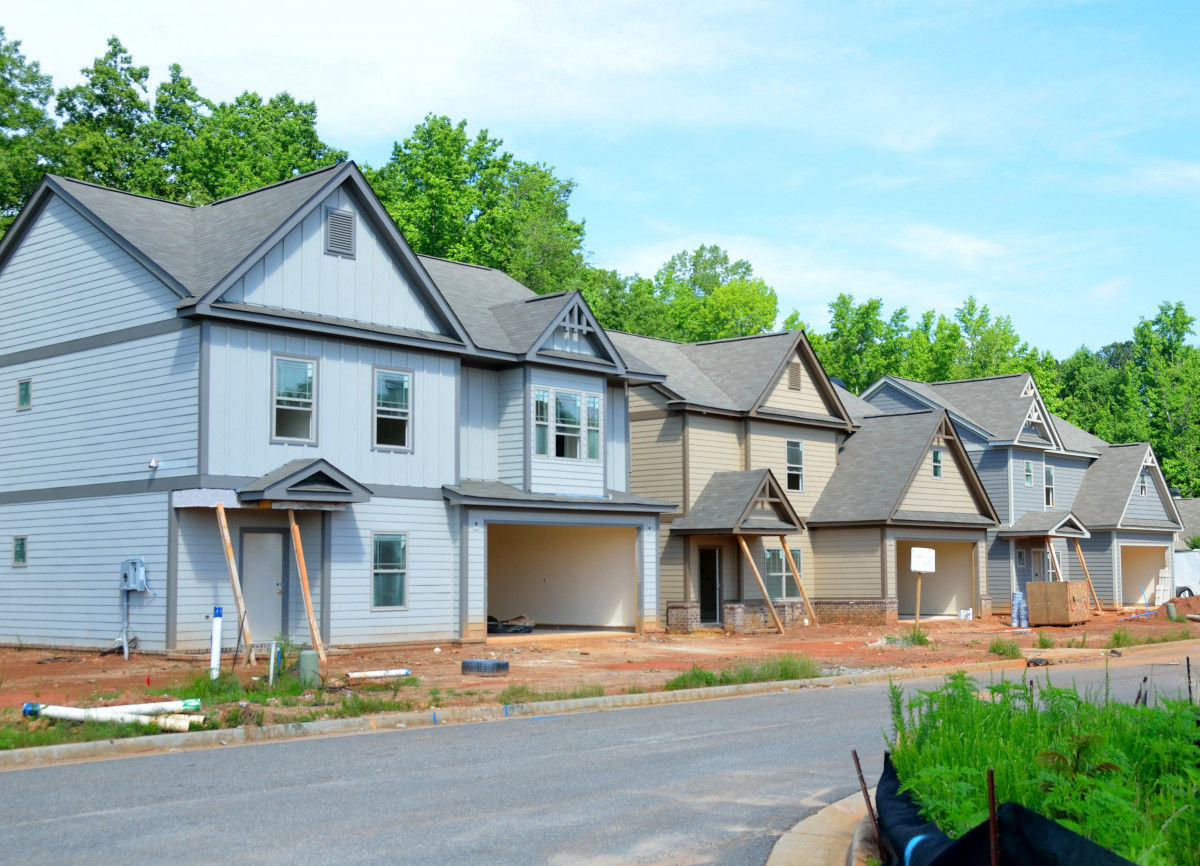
1140 568
943 593
563 576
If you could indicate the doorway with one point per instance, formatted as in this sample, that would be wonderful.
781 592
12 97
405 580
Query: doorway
264 571
710 584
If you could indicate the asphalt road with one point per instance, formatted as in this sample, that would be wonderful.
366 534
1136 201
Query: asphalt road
702 782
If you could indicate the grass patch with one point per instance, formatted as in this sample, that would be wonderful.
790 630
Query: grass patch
911 636
227 688
1122 637
1081 643
1123 776
1004 648
1044 641
776 669
16 732
521 693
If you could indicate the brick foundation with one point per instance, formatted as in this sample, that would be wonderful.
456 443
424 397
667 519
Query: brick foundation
733 617
683 616
874 611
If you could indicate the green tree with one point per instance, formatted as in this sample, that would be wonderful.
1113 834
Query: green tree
27 131
738 308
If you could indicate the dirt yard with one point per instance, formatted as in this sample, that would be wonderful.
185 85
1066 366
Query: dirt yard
547 662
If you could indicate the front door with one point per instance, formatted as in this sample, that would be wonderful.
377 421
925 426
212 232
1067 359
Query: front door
710 584
1037 562
264 582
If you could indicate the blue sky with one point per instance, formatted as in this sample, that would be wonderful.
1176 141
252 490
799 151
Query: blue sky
1044 157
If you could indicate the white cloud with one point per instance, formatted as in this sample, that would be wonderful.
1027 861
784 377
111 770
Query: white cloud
945 245
1109 290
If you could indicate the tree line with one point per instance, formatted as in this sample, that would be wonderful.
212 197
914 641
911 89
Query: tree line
464 197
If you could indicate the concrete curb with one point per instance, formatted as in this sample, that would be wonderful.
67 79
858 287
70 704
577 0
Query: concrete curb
822 839
13 759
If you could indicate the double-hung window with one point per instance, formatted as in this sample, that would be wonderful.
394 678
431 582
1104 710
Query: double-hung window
20 550
393 409
1143 483
795 465
294 413
389 570
24 394
1049 473
937 462
779 580
566 424
1028 473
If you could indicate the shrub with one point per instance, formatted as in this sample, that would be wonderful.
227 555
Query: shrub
1044 641
1005 648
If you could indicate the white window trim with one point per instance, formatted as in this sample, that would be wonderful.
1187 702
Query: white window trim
25 550
785 573
788 466
935 457
1028 473
407 448
1020 557
552 423
1048 485
404 571
26 380
276 439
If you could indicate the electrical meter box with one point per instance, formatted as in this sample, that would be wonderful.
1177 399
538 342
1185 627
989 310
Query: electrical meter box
133 575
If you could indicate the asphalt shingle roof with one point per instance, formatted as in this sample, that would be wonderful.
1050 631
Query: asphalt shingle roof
1189 512
498 491
723 501
855 405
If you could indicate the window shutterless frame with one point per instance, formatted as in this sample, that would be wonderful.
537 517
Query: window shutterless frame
779 580
24 395
20 551
567 425
937 462
1049 476
294 388
389 571
1028 473
795 465
391 409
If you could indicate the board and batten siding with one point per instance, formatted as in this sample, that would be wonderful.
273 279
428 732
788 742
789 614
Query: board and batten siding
949 493
101 414
68 593
1027 499
1068 475
479 425
572 477
713 445
806 398
616 440
67 280
891 400
768 448
240 408
847 562
510 435
296 274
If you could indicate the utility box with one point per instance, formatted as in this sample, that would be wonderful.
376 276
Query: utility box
133 575
1058 602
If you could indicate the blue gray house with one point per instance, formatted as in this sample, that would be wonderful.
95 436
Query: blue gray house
1068 502
453 445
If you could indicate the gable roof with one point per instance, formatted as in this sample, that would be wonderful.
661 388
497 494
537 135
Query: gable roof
1058 524
1076 438
1108 484
877 464
855 405
732 503
305 480
1189 514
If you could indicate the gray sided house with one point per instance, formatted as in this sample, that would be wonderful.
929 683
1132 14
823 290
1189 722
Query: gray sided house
748 435
452 445
1070 505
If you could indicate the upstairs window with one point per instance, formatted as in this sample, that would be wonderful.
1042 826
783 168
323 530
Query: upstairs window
20 550
389 570
572 430
24 394
936 455
795 466
339 233
1028 473
392 412
1050 486
779 580
593 426
567 408
1143 483
541 422
295 406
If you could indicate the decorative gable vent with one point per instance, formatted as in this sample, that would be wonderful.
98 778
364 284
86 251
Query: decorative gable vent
339 233
1030 389
575 334
795 376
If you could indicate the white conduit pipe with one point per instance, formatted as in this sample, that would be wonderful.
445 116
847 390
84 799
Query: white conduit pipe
159 708
214 663
104 714
370 675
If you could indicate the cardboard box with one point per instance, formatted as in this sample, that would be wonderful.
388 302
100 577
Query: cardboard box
1057 602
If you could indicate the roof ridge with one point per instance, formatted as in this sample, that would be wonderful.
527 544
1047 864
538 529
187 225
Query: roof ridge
647 337
735 339
456 262
59 177
286 180
974 379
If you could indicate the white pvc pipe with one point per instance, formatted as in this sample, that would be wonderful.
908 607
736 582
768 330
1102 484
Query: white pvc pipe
214 662
370 675
159 708
104 714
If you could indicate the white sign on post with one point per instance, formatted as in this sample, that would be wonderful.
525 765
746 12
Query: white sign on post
922 560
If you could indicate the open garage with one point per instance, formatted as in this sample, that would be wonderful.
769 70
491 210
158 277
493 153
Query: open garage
947 591
1140 567
568 576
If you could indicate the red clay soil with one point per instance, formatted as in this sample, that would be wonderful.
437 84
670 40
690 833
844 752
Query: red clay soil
562 662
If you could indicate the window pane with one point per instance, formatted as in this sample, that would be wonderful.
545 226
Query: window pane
593 439
773 579
566 445
293 379
593 413
18 556
794 481
541 407
388 590
392 432
24 394
795 453
389 551
791 590
293 423
391 391
566 409
541 435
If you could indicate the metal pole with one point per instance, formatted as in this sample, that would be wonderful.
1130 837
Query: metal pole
862 783
993 828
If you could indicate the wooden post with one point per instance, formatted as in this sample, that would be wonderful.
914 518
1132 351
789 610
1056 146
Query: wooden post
1079 553
796 574
917 614
303 569
1054 558
235 582
762 587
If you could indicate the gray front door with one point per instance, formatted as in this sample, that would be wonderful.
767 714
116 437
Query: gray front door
710 584
264 582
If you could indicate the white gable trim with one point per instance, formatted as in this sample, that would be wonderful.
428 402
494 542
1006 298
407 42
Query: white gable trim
577 314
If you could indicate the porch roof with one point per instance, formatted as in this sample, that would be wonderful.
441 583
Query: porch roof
749 502
1046 524
313 480
500 494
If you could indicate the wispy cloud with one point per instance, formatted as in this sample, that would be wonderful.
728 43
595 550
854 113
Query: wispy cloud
1156 176
1109 290
939 244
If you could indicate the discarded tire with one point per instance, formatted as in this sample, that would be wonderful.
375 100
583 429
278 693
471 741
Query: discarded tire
485 667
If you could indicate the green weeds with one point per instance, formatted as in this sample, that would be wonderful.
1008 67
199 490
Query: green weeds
776 669
1004 648
911 636
1044 641
521 693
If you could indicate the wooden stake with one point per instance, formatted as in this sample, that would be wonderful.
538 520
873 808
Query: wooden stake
796 574
762 587
235 582
862 783
1079 553
917 616
303 569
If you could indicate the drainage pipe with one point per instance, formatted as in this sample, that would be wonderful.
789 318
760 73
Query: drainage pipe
159 708
104 714
371 675
214 663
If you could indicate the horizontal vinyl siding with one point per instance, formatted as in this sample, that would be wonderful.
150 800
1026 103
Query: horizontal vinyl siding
67 280
240 408
991 465
1148 507
949 493
560 475
806 399
296 274
643 398
713 446
102 414
768 448
68 593
656 465
999 577
1098 552
479 425
670 569
1027 499
1068 475
510 436
889 399
847 563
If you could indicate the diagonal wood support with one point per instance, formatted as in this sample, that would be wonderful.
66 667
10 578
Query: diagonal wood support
1082 562
762 587
235 582
303 570
796 574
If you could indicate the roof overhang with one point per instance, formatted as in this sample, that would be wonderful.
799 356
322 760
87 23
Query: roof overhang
304 481
1066 526
749 502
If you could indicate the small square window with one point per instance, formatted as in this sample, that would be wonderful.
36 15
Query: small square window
20 551
937 462
389 570
24 394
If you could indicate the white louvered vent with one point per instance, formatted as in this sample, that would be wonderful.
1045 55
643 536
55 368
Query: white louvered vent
339 233
796 376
